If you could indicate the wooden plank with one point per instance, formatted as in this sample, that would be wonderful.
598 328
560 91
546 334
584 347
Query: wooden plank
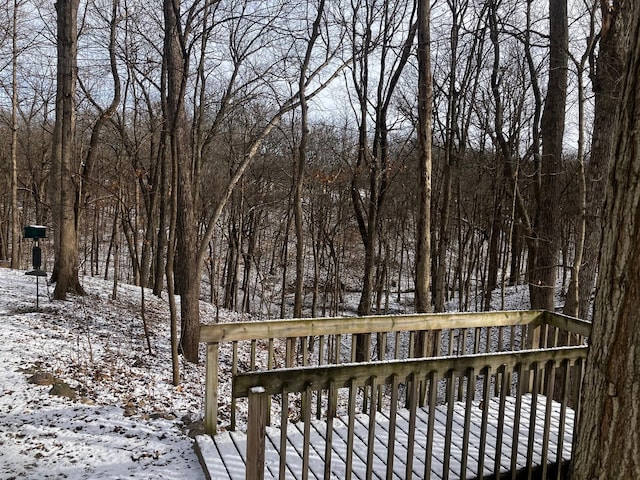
258 403
340 453
211 390
228 332
231 447
208 455
358 442
294 452
571 324
392 437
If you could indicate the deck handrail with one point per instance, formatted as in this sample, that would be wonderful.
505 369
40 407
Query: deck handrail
459 373
304 327
296 380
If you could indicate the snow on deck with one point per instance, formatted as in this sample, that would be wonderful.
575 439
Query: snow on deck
224 455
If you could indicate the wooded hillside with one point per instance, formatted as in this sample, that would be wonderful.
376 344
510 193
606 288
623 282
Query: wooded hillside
264 155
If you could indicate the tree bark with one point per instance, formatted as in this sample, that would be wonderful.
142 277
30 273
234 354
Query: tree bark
607 87
425 108
186 239
543 267
422 300
571 303
607 443
15 218
66 264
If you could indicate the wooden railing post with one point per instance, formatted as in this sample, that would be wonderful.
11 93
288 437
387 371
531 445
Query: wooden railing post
533 342
256 426
211 390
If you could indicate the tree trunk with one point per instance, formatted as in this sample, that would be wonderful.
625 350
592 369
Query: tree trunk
15 218
607 86
66 264
422 299
170 272
571 304
425 107
300 164
493 254
542 272
607 443
186 241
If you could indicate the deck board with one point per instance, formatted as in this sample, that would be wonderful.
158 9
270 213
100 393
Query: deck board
223 456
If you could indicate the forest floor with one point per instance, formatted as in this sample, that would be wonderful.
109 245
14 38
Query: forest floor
81 397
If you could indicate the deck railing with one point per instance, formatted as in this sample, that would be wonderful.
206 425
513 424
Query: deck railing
506 400
261 346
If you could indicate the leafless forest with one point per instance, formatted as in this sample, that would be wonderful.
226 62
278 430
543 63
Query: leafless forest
263 155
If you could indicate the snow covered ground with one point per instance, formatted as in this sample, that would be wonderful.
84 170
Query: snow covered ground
126 421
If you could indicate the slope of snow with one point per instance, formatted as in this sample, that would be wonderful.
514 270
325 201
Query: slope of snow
127 420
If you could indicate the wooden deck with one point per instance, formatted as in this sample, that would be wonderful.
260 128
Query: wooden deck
224 455
412 410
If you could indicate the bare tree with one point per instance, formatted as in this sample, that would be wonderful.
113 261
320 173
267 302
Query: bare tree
425 106
302 157
15 217
393 22
246 41
571 305
543 265
607 442
606 75
63 188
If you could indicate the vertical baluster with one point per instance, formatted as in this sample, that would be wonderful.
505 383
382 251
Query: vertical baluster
353 391
371 440
487 347
449 424
549 374
577 373
318 394
270 363
234 372
564 397
486 390
284 428
467 423
256 427
306 438
253 354
332 400
521 388
433 393
437 343
393 413
414 382
211 389
451 340
306 396
532 417
396 345
290 352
